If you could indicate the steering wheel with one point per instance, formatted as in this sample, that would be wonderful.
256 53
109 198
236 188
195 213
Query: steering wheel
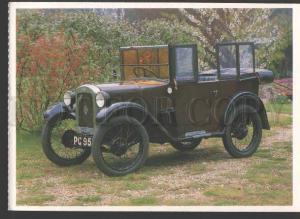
142 70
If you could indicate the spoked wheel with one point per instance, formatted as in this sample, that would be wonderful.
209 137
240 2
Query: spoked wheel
120 146
186 145
54 135
243 133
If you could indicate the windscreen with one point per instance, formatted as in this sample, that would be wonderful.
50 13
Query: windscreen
184 63
228 59
246 58
145 62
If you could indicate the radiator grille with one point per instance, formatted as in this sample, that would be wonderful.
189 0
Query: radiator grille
85 110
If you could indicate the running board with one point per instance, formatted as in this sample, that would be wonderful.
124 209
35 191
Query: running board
201 134
189 135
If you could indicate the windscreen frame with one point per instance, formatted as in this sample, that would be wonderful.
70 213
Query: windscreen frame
237 56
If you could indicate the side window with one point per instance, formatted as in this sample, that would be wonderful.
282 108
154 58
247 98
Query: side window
227 60
246 59
184 64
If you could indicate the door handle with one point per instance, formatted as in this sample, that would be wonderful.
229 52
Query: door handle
175 84
215 92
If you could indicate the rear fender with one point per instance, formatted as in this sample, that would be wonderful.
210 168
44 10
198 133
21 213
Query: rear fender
252 100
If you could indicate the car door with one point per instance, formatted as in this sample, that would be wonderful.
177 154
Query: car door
228 77
192 100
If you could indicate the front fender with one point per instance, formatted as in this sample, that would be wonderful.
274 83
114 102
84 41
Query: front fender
121 107
57 109
134 110
249 99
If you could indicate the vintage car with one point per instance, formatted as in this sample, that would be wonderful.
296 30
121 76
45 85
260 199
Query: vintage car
162 98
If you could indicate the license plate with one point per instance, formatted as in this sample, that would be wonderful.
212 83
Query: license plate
82 140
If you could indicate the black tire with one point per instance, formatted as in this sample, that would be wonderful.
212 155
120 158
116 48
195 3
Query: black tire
49 148
108 141
187 145
243 120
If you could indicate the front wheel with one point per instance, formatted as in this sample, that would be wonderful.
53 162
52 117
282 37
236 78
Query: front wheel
243 133
54 132
120 146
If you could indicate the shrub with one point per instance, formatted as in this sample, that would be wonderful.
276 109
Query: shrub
58 51
46 68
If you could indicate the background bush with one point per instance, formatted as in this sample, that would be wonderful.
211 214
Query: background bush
58 50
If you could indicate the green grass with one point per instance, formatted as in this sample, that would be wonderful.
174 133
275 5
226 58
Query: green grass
29 175
36 199
279 114
88 199
279 120
266 182
136 185
185 202
269 172
227 202
225 192
285 108
205 176
147 200
77 181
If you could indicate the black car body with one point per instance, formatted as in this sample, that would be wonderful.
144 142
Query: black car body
166 99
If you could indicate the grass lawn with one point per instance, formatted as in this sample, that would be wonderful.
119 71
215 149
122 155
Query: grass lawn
205 176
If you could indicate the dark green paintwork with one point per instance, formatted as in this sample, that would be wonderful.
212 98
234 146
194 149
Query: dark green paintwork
192 106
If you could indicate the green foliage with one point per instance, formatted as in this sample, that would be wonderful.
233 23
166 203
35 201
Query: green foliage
58 50
281 100
163 31
281 60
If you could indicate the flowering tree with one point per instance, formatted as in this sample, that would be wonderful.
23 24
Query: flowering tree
211 26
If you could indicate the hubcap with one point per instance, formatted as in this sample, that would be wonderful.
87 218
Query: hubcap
67 138
118 148
242 132
121 146
61 140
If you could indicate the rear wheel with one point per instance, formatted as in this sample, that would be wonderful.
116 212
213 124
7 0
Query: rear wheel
186 145
120 146
243 133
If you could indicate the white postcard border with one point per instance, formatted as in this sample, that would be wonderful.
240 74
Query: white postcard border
12 107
